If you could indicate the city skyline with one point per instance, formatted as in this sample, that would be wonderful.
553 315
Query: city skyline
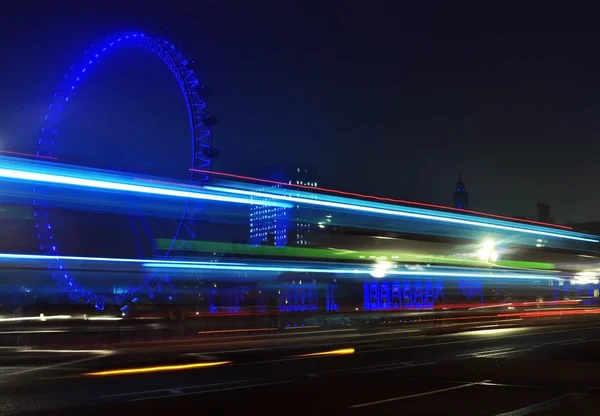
418 135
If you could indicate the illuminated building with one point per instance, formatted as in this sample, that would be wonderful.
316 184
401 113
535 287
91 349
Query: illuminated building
280 226
461 197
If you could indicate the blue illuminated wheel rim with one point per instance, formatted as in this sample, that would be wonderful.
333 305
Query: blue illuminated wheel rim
199 120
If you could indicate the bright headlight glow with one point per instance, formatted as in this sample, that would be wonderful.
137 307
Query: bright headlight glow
585 278
381 269
126 187
488 252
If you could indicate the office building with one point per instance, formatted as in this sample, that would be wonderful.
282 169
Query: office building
277 226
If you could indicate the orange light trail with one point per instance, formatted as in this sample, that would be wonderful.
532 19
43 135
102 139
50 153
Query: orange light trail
342 351
142 370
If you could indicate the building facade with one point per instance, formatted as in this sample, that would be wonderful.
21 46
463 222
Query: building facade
277 226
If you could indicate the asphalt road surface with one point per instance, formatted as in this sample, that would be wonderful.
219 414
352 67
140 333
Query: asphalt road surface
489 368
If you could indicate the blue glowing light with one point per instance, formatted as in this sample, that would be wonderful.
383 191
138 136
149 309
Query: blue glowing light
195 105
397 211
41 257
72 180
350 270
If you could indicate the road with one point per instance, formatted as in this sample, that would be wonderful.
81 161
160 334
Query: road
476 369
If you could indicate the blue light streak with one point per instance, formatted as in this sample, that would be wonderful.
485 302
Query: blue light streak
433 272
396 212
72 180
41 257
349 271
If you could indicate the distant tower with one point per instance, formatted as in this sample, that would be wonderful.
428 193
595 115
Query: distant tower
461 197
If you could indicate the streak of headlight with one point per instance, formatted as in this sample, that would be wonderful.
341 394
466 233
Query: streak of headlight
278 269
104 318
387 211
11 256
97 352
125 187
498 331
384 199
433 272
141 370
342 351
36 318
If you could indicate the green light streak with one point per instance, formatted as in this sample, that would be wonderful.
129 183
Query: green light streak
340 254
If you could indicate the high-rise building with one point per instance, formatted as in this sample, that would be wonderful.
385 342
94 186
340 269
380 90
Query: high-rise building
277 226
461 197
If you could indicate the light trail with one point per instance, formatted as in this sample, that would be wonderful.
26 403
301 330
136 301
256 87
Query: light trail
40 317
379 198
43 257
141 370
394 212
116 183
125 187
248 198
342 351
210 265
9 152
348 271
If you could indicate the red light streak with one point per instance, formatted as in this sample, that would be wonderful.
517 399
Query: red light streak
379 198
8 152
230 331
549 313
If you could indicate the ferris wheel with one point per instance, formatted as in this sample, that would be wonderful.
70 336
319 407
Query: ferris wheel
202 152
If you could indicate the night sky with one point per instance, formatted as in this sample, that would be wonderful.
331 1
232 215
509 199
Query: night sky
387 100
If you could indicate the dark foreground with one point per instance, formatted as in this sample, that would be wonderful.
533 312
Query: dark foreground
506 368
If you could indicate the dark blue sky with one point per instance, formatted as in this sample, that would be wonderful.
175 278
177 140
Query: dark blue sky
388 100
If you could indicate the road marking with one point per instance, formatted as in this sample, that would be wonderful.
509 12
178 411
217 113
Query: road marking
341 370
175 391
50 367
135 393
525 386
203 356
502 353
582 341
213 390
411 396
548 404
311 375
484 383
462 341
575 341
562 341
483 352
396 368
